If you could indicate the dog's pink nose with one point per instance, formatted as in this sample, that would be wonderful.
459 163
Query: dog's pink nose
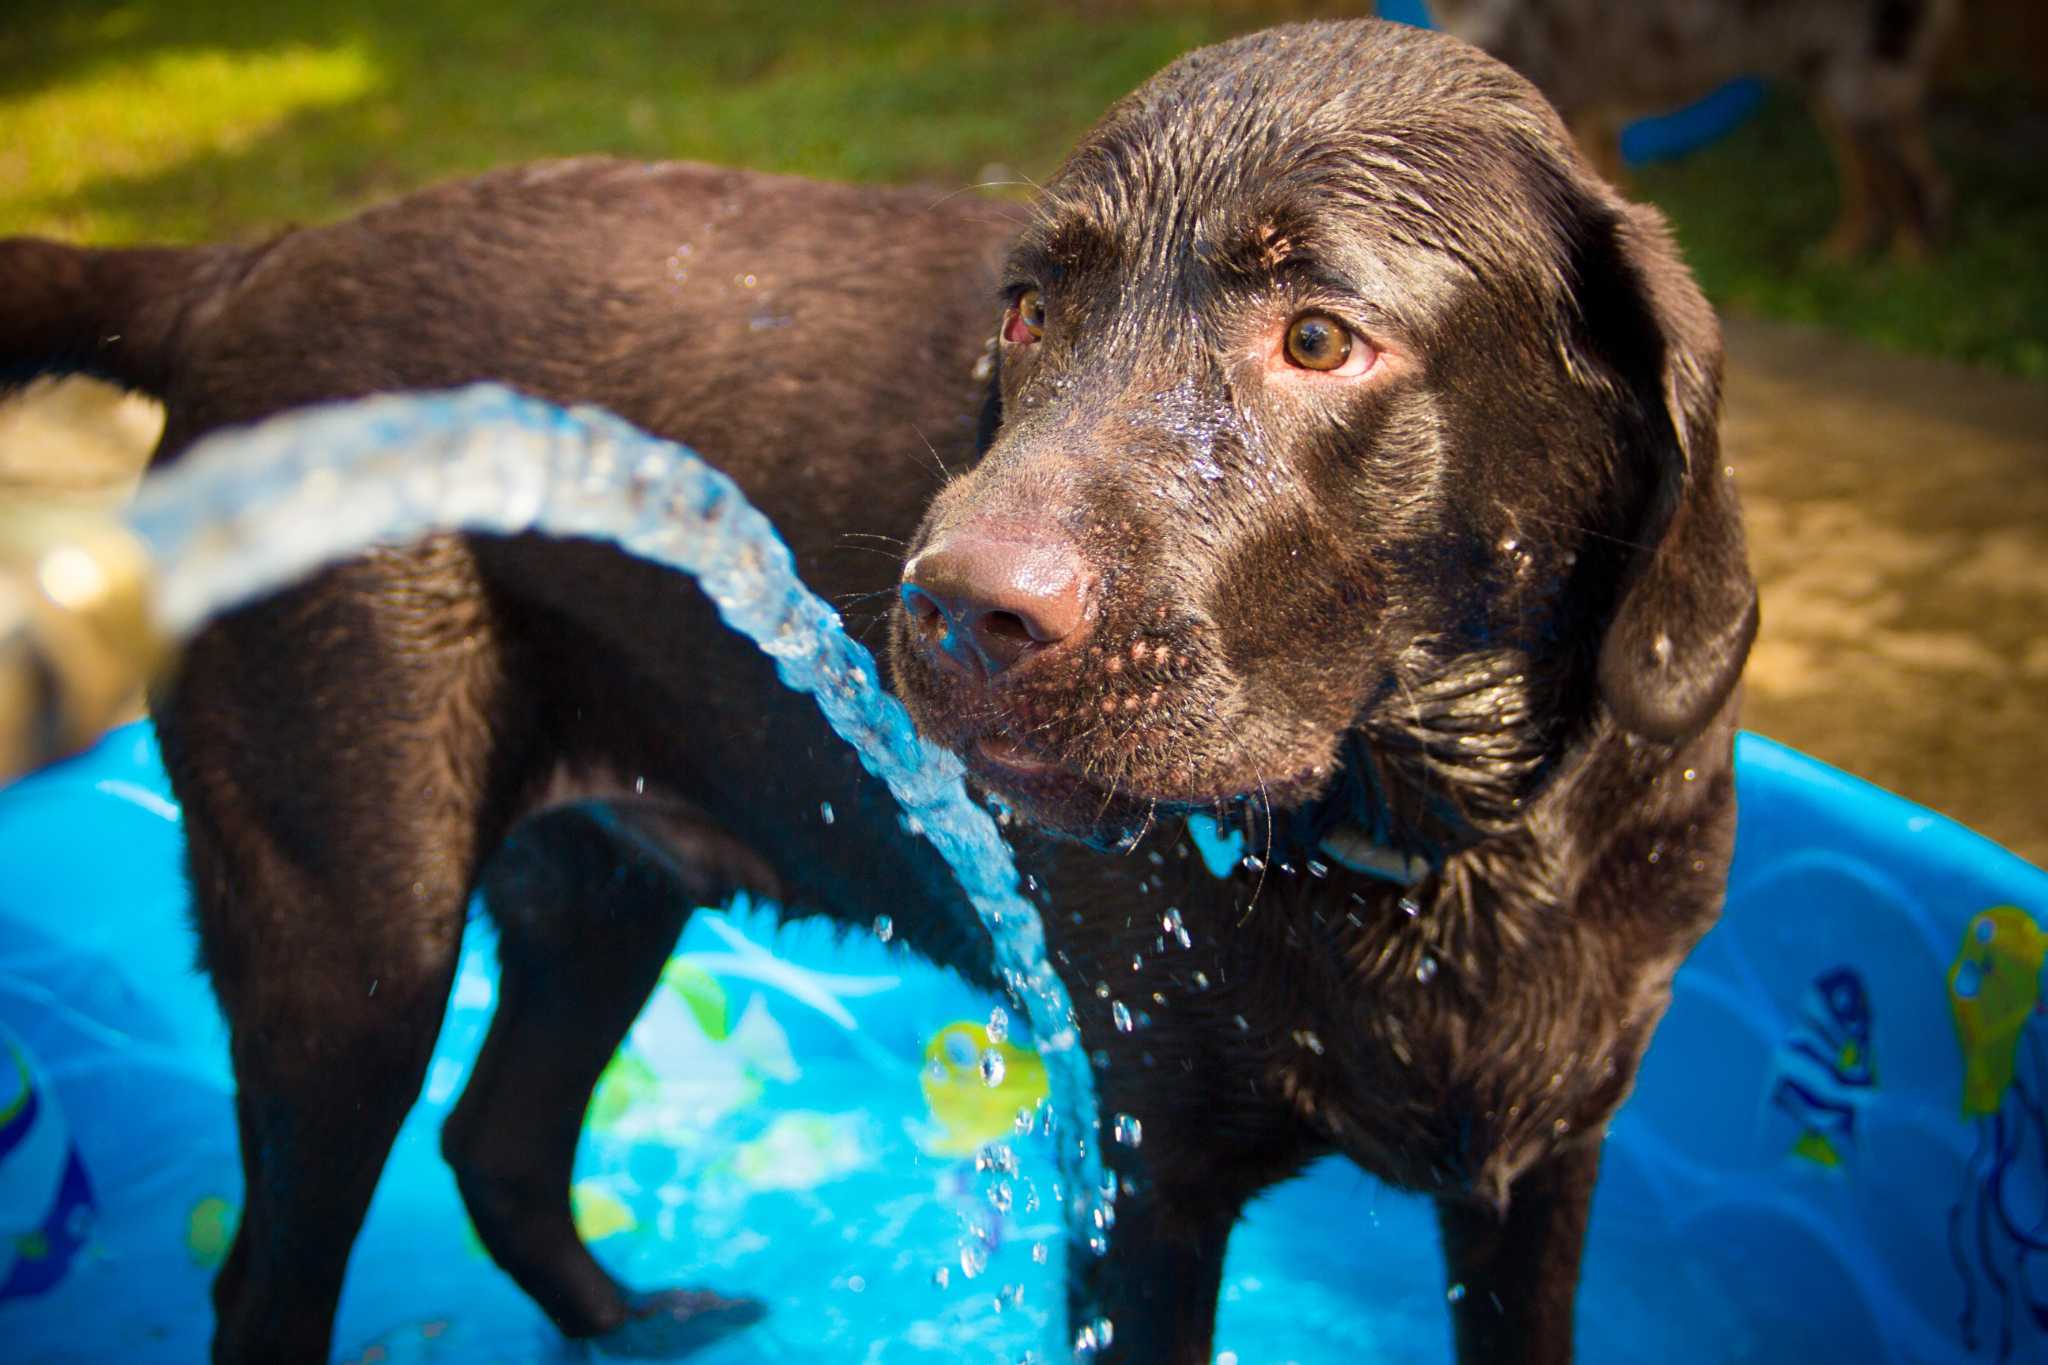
995 600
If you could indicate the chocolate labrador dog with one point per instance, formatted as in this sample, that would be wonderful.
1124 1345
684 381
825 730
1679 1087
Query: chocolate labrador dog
1343 469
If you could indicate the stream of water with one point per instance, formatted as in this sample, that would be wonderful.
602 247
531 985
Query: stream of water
250 512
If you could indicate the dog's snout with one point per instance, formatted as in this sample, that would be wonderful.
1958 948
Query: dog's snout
995 600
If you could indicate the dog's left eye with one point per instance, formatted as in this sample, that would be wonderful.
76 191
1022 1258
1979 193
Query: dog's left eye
1026 321
1317 341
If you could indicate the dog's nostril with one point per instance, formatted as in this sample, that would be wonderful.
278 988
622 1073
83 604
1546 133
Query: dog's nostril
1007 625
992 600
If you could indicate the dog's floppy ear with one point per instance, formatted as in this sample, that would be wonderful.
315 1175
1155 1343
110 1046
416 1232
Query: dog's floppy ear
1685 610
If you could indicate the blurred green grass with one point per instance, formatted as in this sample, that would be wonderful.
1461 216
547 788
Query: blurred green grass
186 119
179 120
1752 209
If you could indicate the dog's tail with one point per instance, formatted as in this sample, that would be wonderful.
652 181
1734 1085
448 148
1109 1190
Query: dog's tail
115 314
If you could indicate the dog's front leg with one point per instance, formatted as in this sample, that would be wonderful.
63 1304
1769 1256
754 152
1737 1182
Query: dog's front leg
1157 1283
1513 1277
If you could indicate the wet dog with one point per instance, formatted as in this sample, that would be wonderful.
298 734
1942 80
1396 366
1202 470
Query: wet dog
1863 65
1343 469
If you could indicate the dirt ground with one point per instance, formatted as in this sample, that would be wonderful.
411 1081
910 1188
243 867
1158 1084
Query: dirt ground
1898 514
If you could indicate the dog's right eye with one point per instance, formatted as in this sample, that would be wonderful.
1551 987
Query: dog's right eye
1317 341
1026 321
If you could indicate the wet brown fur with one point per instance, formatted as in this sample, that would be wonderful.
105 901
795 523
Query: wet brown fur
1492 614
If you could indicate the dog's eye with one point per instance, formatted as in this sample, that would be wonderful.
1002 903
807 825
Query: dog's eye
1026 322
1317 341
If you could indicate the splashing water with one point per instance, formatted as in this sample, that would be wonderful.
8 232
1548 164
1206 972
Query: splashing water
248 513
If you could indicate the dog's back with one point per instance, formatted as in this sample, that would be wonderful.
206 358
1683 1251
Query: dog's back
1654 55
1864 65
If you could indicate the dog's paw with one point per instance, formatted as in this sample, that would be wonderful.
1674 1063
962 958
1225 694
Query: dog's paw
674 1322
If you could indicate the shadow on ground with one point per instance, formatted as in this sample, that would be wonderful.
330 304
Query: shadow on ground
1898 513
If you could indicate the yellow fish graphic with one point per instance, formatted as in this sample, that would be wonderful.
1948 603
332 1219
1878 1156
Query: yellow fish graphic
1994 989
975 1087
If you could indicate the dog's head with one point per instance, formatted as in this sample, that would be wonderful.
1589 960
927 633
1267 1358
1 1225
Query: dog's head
1347 421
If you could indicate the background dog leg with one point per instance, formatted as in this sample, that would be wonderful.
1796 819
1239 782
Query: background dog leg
1513 1278
1159 1280
587 916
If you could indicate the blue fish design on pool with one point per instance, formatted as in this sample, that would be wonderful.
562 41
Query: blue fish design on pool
1826 1070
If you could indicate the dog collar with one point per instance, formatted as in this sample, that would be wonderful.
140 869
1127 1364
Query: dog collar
1350 846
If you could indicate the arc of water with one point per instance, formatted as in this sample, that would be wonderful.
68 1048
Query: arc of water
250 512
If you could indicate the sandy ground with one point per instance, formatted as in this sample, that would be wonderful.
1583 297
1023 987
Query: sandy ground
1898 514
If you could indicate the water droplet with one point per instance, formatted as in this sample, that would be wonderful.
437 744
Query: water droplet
1137 962
1000 1196
1455 1293
1308 1039
1561 1127
973 1259
1316 869
992 1068
1093 1337
1039 1253
1691 774
825 812
1201 980
1102 990
1242 1026
942 1277
1410 906
1120 1014
1254 863
885 928
1129 1131
998 1025
1425 970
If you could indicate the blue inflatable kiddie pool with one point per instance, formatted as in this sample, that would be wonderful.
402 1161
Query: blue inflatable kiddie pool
1836 1151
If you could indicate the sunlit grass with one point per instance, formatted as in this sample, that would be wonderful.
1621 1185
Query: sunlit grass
178 121
151 115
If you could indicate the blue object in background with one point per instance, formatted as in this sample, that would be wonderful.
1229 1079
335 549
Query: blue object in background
1835 1151
1649 139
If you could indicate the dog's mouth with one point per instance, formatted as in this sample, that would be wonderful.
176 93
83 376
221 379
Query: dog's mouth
1094 804
1006 755
1050 794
